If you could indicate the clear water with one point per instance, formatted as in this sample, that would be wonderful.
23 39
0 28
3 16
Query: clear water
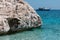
50 30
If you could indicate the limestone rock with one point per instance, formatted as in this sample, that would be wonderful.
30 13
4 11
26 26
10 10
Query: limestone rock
17 15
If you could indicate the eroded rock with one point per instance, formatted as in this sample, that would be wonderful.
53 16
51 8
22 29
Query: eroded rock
17 15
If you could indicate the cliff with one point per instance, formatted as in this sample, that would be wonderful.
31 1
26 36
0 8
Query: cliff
17 15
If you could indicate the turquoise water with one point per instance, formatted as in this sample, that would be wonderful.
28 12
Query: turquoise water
50 30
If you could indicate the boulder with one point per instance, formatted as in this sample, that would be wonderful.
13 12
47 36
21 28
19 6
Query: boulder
16 15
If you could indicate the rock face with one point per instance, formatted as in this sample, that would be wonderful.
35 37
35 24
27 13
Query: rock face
17 15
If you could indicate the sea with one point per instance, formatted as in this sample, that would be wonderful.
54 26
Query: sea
49 30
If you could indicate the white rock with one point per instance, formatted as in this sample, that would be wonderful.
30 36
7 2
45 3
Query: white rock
17 15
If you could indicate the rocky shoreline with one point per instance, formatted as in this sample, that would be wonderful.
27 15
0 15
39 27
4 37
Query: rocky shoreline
16 15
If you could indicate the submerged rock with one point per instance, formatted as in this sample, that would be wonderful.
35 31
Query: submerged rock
17 15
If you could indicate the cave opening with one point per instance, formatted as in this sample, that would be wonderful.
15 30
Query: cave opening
13 22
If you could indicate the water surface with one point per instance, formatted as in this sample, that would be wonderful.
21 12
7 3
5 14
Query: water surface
50 30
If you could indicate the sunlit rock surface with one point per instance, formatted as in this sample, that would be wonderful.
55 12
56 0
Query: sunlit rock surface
17 15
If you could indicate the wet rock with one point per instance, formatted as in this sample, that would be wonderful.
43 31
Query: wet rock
17 15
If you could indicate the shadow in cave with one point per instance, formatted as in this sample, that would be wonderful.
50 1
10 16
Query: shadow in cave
13 22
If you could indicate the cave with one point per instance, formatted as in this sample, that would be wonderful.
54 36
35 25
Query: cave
13 22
